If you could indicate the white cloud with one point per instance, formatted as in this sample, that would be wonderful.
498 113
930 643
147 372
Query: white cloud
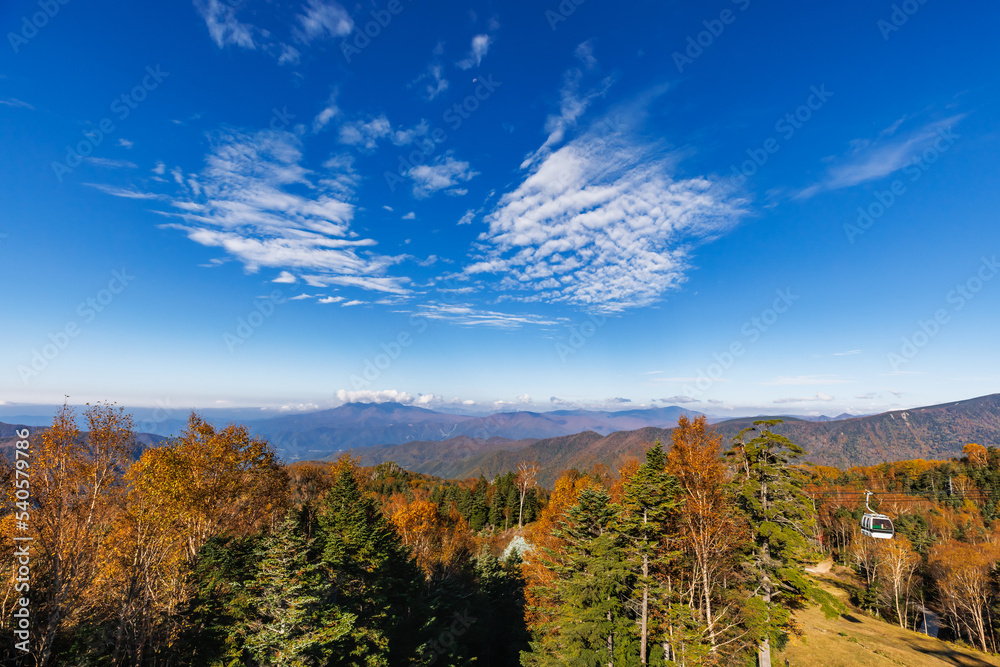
319 19
323 18
223 26
255 200
846 353
301 296
467 315
327 114
404 137
16 103
110 163
331 299
480 46
524 398
289 55
285 277
572 105
818 397
159 169
430 261
431 82
365 133
803 380
601 223
122 192
468 217
585 54
446 173
374 396
871 160
410 216
126 144
355 302
676 399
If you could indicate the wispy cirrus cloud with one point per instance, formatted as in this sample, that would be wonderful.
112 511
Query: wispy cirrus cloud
223 26
322 18
468 315
313 21
873 159
125 193
805 380
806 399
110 163
602 223
256 201
16 103
572 105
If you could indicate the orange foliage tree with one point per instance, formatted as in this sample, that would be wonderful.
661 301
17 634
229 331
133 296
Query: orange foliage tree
77 484
711 530
217 482
963 574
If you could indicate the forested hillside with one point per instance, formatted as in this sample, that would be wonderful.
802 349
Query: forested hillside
935 432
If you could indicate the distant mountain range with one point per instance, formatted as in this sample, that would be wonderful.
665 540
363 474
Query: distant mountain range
357 425
8 438
934 432
454 445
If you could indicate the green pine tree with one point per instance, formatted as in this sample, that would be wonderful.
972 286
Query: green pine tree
372 573
479 511
497 508
769 492
290 620
512 505
591 625
650 496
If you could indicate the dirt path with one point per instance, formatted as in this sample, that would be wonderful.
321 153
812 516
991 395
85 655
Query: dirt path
823 567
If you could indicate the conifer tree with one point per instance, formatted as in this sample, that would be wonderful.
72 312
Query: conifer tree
769 492
512 504
590 625
372 572
496 508
479 509
649 497
291 619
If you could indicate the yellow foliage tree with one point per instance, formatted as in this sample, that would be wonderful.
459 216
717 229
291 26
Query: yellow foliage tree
216 482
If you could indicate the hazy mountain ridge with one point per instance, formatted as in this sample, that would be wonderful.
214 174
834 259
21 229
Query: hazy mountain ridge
933 432
360 425
8 438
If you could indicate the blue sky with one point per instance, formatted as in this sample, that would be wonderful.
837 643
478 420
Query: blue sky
739 207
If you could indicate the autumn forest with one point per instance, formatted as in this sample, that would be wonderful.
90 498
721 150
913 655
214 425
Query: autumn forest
208 550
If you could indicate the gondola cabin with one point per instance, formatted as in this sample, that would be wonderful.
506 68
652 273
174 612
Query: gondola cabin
878 526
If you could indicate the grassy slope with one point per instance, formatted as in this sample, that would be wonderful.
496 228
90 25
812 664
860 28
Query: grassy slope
856 639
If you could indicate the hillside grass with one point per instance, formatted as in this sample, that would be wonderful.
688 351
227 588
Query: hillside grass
855 639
